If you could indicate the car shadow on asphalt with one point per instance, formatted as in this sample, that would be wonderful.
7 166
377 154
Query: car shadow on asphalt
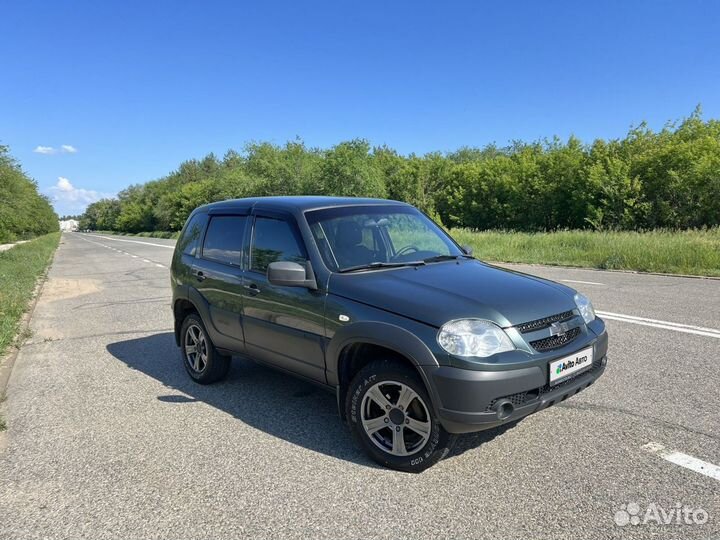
271 401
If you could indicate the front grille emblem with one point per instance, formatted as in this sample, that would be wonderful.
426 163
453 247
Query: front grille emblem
559 328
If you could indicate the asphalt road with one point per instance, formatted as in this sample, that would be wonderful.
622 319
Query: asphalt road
108 437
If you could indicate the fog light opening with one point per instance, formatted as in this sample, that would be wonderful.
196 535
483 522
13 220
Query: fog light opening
504 408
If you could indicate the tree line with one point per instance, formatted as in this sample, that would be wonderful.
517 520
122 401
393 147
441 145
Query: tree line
24 212
646 180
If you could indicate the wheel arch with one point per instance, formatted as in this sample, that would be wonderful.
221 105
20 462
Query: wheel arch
193 302
182 307
353 346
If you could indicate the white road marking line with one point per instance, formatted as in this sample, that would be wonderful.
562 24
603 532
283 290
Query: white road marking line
645 319
664 327
583 282
683 460
125 252
131 241
677 327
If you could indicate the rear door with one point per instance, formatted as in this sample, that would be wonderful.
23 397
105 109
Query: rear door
219 278
283 325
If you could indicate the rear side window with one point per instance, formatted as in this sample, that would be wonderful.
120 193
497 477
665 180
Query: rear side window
223 241
275 240
190 241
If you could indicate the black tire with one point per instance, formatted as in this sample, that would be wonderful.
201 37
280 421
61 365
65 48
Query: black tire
392 378
211 366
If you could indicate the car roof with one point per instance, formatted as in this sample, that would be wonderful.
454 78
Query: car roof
302 203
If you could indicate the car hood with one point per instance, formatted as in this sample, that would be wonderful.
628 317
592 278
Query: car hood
439 292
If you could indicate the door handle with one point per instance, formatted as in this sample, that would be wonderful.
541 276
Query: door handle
199 275
252 288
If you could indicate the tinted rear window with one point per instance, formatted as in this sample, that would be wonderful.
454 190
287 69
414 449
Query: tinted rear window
223 241
190 241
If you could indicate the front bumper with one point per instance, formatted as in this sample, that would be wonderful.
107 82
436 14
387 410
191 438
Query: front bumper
469 400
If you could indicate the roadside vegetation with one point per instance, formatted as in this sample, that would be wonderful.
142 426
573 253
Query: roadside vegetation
691 252
24 213
662 181
20 268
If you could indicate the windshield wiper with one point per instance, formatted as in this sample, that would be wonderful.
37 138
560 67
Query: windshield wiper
438 258
379 264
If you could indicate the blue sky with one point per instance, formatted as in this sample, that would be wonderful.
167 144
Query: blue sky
137 87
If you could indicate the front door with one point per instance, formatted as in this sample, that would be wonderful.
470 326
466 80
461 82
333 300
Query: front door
283 325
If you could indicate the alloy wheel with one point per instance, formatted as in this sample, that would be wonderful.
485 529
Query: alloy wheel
196 348
395 418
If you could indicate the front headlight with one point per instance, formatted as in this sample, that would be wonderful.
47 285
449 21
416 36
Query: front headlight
474 337
586 308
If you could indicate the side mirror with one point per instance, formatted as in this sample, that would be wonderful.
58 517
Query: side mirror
291 274
467 249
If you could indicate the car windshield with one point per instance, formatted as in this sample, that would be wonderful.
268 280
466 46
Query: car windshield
366 237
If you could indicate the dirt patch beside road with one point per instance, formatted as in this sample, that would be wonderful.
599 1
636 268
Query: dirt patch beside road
63 288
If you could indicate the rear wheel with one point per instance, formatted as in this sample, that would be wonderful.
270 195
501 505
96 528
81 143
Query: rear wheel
201 360
391 417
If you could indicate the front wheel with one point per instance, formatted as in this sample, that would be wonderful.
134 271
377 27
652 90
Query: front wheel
202 361
391 417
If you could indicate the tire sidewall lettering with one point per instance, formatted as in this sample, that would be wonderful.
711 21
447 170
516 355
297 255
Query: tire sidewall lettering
428 453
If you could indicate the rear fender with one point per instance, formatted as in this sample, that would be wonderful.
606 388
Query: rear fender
201 306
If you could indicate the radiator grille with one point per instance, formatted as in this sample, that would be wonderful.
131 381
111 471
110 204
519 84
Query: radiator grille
539 324
554 342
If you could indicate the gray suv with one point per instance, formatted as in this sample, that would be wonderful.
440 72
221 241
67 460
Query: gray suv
371 300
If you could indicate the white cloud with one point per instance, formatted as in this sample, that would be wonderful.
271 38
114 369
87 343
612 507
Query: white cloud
64 149
63 184
69 199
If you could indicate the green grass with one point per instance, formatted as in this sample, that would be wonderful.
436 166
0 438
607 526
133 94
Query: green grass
20 268
3 424
692 252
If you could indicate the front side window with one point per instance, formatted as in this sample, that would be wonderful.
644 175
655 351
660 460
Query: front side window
358 236
223 241
274 240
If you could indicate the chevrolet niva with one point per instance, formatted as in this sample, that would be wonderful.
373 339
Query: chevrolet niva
373 301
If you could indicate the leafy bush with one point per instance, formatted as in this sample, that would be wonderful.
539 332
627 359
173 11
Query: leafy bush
647 180
24 213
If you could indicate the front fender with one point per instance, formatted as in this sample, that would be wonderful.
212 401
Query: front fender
383 334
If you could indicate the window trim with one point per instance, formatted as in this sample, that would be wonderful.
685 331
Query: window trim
211 217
